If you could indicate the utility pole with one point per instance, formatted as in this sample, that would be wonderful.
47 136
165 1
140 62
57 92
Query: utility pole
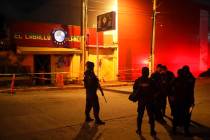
152 49
83 32
97 55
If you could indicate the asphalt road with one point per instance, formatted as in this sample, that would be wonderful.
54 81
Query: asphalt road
59 115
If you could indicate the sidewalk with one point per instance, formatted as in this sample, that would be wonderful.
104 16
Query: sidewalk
112 86
105 85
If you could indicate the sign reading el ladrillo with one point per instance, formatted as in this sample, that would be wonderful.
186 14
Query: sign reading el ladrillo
47 37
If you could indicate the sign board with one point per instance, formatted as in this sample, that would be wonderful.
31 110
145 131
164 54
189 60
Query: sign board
29 34
106 21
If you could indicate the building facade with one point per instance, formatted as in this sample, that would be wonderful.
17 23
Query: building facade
55 48
181 36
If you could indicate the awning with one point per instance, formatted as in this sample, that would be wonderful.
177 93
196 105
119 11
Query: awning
47 50
103 46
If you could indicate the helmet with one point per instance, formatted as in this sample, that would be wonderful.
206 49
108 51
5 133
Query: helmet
89 65
145 71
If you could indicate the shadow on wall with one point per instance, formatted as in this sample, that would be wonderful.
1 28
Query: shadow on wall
128 65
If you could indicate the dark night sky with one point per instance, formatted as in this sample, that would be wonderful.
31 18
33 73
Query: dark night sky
58 11
203 2
55 11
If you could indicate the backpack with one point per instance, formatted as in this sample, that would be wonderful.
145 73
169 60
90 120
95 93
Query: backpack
141 87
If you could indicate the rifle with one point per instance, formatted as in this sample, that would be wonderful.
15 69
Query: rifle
102 93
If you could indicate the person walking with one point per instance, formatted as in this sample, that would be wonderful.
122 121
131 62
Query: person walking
91 84
145 95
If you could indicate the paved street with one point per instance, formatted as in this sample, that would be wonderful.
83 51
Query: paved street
59 115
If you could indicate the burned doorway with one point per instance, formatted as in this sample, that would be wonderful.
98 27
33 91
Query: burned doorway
42 66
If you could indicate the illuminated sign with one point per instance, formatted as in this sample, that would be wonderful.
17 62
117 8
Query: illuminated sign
32 36
45 35
73 39
106 21
59 36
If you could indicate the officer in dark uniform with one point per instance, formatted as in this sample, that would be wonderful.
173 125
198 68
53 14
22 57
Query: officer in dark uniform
166 80
145 94
156 78
190 101
183 99
190 82
91 83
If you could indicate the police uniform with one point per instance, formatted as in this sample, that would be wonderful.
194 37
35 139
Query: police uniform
156 78
183 100
166 80
145 95
91 83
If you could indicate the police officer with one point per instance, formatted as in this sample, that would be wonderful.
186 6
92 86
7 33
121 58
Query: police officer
190 82
183 99
145 95
156 78
166 81
190 100
91 84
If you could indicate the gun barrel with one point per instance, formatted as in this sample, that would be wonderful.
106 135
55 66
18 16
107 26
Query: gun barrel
105 99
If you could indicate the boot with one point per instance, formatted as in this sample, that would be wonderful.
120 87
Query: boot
153 133
138 132
99 122
152 130
88 119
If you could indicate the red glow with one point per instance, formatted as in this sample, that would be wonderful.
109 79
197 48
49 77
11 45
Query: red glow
134 37
177 36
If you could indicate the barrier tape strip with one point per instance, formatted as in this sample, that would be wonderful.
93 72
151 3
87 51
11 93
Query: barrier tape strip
33 75
8 74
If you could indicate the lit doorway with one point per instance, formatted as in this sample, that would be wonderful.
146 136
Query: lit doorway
42 65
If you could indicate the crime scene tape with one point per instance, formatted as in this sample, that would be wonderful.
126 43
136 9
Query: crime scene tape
57 79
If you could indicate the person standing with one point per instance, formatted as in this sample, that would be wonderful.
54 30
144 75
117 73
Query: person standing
91 84
145 95
190 99
166 81
156 78
183 99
